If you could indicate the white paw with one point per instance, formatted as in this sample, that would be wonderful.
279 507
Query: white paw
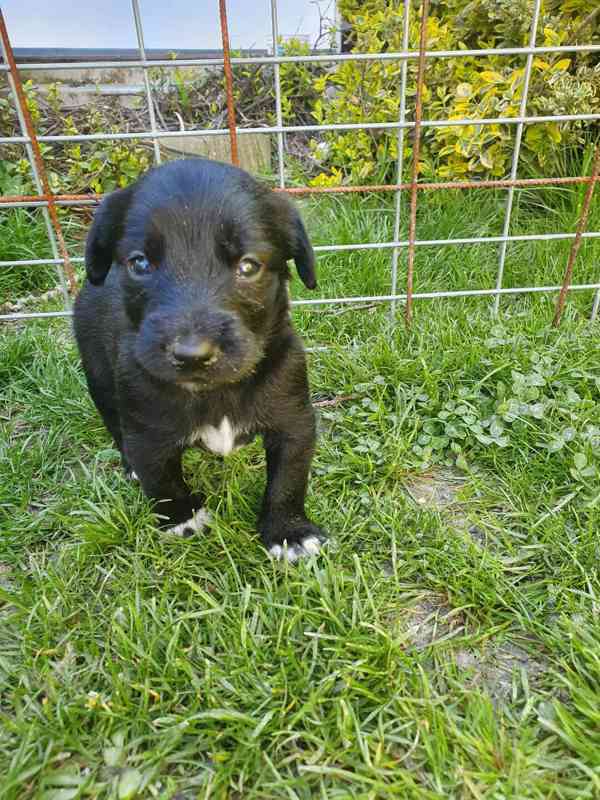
196 524
309 546
133 476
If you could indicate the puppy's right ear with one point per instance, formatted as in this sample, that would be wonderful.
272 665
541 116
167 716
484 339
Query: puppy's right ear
107 229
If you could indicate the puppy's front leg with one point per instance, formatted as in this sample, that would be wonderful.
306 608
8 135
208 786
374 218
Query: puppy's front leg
285 529
161 477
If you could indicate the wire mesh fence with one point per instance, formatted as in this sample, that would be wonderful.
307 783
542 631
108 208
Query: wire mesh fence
49 201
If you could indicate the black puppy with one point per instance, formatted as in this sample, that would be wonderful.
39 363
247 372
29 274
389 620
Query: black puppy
185 337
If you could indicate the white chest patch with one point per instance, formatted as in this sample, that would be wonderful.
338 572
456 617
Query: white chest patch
219 440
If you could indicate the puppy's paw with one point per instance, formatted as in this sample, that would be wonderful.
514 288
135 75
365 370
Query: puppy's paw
195 524
293 541
309 546
130 473
185 516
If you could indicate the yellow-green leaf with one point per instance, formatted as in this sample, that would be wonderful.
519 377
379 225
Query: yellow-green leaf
533 135
485 159
554 132
564 63
490 76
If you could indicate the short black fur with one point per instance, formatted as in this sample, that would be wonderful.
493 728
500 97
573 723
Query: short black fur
184 321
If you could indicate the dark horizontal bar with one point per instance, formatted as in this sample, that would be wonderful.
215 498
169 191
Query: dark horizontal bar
50 55
87 199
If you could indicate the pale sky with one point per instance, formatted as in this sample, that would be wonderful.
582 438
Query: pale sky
171 24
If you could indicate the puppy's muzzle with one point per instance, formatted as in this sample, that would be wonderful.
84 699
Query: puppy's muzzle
195 352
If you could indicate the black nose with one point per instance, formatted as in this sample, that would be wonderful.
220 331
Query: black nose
194 351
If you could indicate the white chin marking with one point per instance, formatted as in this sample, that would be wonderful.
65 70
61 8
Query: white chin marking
196 524
133 476
309 546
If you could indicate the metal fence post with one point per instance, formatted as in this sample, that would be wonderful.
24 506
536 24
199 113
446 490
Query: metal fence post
278 111
137 18
400 151
516 151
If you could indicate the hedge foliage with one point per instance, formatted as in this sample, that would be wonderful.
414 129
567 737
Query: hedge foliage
477 87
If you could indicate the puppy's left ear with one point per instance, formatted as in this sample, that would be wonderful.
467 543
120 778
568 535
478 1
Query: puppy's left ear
106 230
297 242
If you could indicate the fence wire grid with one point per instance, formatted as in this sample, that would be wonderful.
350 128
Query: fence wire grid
49 201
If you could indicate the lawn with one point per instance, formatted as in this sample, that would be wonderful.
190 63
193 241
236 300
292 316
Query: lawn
445 644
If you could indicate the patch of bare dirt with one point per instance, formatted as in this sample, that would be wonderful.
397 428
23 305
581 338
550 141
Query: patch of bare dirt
496 668
428 621
439 490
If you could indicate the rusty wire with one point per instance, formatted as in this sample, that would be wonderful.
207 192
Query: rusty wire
37 155
228 82
412 225
522 183
581 226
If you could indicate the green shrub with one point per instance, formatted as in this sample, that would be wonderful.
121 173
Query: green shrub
75 167
460 87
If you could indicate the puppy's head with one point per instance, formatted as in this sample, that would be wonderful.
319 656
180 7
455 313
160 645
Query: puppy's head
199 251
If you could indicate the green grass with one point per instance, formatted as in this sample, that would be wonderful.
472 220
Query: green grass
443 650
24 236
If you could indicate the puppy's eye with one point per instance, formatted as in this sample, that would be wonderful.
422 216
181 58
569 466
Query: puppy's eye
138 264
249 268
